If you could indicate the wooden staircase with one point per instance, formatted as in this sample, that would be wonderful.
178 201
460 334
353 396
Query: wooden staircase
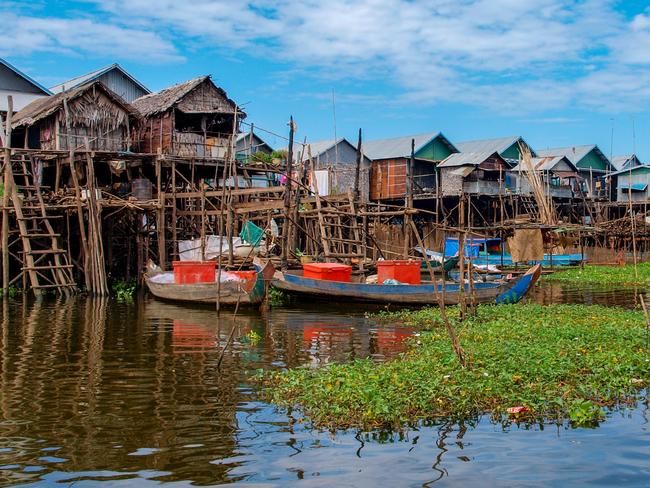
44 261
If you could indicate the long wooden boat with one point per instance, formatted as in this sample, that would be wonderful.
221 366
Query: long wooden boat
510 291
249 291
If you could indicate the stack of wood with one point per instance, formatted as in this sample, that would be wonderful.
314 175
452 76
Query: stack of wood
624 226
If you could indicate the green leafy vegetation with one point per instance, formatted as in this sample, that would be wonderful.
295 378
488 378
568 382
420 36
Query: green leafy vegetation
268 158
125 290
544 363
605 275
253 338
12 291
277 297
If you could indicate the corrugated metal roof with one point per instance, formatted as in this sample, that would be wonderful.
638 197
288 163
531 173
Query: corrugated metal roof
547 163
498 145
575 153
627 170
317 148
622 162
25 77
93 75
400 147
466 159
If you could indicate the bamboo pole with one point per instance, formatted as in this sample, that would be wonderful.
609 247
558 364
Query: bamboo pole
5 198
287 199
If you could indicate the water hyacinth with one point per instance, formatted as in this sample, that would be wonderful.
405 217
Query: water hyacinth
605 275
549 363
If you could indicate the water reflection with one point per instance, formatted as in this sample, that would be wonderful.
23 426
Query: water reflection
133 393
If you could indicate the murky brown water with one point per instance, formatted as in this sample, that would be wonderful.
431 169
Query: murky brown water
95 390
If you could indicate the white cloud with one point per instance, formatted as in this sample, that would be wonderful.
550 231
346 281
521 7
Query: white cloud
506 54
81 36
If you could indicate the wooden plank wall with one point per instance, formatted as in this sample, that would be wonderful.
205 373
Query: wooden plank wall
388 179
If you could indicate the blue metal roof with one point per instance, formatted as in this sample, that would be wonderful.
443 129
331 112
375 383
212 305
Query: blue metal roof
24 76
634 187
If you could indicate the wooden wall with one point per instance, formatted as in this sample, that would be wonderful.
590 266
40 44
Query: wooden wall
388 179
156 133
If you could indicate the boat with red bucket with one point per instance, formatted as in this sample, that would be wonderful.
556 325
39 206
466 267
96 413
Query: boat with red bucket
193 284
424 293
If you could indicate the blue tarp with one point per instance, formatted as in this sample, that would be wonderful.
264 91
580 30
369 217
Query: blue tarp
472 246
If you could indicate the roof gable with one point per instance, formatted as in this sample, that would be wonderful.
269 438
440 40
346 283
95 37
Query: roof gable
507 147
243 143
25 83
583 157
400 147
176 95
626 161
472 159
44 107
94 75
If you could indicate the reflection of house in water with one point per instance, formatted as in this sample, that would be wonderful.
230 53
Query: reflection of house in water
191 338
101 383
390 341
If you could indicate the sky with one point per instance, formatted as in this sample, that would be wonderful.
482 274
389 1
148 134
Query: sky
558 73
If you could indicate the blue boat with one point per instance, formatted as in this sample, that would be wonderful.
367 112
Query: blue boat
487 251
427 293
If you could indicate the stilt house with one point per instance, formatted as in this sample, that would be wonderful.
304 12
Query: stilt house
632 184
192 119
473 173
559 174
335 165
594 168
66 120
509 148
389 164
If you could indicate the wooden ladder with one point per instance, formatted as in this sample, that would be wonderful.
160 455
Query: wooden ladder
529 205
45 262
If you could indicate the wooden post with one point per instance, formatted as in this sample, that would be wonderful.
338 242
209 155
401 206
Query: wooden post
287 199
461 255
160 225
357 170
408 201
5 198
174 223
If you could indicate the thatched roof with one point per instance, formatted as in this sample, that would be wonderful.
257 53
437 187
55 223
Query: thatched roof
167 98
44 107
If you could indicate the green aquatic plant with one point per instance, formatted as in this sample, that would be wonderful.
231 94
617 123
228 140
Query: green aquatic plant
125 290
251 338
526 362
605 275
277 298
12 292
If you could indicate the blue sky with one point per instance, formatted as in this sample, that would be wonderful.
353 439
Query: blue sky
556 72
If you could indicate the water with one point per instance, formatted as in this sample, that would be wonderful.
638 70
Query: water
132 395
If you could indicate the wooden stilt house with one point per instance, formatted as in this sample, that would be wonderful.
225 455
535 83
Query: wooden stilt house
192 119
389 165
